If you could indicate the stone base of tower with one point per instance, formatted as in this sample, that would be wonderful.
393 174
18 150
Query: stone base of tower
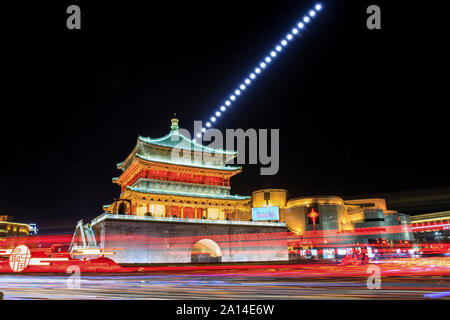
177 241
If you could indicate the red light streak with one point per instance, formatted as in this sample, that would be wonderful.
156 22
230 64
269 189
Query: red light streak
47 248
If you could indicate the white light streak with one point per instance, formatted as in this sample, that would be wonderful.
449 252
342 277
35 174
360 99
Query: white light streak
263 64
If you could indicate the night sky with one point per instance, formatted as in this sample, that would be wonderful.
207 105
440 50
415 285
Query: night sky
359 111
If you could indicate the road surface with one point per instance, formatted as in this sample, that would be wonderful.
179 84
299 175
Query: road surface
298 283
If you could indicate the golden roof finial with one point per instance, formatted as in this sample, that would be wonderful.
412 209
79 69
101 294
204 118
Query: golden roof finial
174 122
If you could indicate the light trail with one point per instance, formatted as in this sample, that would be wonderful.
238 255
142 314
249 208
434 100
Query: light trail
261 66
437 295
329 246
236 282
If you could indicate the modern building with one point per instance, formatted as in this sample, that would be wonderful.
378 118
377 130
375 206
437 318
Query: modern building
9 228
431 227
332 222
418 201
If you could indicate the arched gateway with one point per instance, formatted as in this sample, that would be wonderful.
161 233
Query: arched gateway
206 250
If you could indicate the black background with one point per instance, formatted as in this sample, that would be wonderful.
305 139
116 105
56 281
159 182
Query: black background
370 309
359 111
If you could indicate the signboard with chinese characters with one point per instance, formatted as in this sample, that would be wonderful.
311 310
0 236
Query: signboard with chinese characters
265 213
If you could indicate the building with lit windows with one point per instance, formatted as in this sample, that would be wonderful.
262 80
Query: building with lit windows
9 228
159 183
332 223
336 216
431 227
175 206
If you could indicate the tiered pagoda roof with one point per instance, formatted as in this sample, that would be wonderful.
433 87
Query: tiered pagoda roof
167 166
159 150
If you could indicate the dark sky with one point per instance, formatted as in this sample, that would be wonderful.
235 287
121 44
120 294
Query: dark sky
359 111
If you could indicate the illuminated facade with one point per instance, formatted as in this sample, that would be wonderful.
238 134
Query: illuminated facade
336 219
431 226
175 177
8 228
175 206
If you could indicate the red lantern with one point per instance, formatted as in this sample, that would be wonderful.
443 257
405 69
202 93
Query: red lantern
313 215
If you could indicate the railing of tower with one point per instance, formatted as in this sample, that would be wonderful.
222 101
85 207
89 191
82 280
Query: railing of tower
184 220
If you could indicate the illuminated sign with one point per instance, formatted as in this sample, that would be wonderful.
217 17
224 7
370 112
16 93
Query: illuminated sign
328 253
20 258
265 213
